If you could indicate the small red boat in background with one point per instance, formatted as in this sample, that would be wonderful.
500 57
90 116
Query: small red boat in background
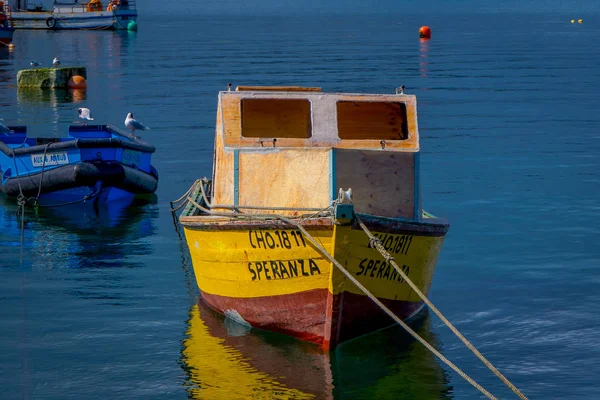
6 28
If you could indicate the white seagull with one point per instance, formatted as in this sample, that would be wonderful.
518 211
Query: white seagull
133 125
85 113
55 62
34 64
4 129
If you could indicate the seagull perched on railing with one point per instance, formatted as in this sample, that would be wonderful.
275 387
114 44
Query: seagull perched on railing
4 129
55 62
85 113
134 125
34 64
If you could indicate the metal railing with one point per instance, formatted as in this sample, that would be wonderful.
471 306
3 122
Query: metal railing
112 5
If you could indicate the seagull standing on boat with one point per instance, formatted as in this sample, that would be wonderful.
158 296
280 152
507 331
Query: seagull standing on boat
85 113
55 62
34 64
134 125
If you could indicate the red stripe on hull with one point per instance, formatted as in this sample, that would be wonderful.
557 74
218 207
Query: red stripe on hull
301 315
315 316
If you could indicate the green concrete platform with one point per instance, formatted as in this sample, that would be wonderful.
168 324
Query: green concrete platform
48 78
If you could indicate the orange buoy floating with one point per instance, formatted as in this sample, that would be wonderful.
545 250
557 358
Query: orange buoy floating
425 32
77 82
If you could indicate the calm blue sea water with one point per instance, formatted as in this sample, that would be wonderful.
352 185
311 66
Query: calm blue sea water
100 307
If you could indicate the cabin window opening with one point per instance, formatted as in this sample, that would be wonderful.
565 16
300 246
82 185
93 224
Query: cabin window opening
369 120
276 118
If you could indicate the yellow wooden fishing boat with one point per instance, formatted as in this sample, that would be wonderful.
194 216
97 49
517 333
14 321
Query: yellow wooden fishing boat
313 211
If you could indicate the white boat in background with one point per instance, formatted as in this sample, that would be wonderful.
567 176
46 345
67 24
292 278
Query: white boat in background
87 14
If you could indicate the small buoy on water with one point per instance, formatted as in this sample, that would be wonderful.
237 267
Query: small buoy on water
132 26
425 32
572 21
580 20
77 82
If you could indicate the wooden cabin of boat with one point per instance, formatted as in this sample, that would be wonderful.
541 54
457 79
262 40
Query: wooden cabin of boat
296 147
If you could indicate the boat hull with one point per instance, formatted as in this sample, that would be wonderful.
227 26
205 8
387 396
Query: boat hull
6 35
93 162
304 315
78 181
270 277
74 20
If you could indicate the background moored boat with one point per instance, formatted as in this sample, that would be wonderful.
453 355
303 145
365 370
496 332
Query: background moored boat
95 162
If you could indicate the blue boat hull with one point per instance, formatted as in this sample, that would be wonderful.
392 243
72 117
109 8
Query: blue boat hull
95 163
101 181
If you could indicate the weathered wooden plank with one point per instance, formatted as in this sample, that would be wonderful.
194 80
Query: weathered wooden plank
382 182
291 178
223 161
278 88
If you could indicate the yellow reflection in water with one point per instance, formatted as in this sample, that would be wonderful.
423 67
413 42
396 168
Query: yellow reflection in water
219 371
225 360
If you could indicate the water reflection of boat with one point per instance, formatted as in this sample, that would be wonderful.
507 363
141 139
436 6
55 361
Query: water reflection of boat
222 360
81 236
73 15
126 218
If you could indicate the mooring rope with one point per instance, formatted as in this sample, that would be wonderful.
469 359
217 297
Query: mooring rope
414 334
21 201
234 207
210 207
184 197
376 243
14 157
21 206
94 194
42 177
